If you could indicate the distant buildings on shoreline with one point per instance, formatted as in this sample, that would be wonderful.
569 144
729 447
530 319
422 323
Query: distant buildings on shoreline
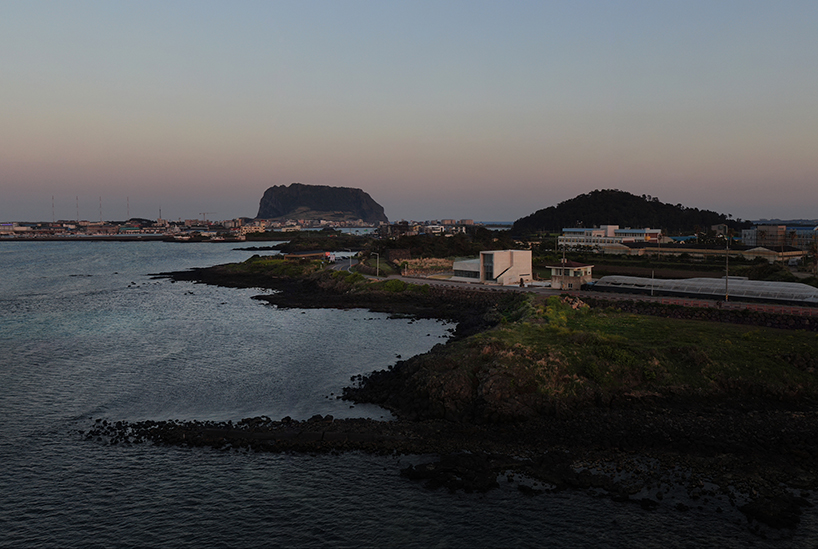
774 242
234 229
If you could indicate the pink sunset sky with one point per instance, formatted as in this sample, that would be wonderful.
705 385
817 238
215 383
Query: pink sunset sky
482 110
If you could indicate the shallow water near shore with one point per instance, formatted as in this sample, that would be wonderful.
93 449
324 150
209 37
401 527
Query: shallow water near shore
87 333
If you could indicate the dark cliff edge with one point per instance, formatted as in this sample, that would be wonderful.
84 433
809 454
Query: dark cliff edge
742 454
473 310
299 201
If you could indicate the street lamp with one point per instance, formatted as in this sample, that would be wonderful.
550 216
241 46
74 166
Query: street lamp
350 259
377 264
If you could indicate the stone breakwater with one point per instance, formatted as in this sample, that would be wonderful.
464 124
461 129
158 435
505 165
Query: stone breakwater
722 457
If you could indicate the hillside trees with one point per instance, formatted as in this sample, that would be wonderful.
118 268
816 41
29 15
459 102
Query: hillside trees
615 207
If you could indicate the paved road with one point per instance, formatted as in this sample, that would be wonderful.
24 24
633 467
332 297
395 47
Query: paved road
344 264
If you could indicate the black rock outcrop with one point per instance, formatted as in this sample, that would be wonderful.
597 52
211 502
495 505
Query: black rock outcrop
299 201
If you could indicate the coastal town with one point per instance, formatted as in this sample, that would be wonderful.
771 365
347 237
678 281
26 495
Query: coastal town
409 274
138 228
775 242
793 247
565 341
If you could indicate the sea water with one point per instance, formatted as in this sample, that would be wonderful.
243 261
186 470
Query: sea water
87 333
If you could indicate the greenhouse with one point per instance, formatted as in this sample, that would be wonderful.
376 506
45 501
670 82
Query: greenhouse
738 288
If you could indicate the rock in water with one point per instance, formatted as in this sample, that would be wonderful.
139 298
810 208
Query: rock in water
299 201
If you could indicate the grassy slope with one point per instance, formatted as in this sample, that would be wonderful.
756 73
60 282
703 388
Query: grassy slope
611 351
546 352
273 266
547 356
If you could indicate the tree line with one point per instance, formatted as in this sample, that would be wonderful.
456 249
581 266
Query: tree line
615 207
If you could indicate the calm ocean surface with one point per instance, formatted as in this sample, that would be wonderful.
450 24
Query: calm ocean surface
85 333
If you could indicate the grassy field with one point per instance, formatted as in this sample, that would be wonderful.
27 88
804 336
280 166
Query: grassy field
274 266
556 350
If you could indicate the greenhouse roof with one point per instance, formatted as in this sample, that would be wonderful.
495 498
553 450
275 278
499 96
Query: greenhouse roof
714 287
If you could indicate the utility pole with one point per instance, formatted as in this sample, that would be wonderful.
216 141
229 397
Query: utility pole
727 270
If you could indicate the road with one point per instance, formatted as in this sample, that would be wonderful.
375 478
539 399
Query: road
547 291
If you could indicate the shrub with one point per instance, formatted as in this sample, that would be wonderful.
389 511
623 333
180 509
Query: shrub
394 285
354 278
420 288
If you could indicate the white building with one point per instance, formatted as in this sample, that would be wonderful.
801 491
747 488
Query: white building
569 275
505 267
606 235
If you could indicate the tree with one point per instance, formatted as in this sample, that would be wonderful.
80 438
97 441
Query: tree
813 254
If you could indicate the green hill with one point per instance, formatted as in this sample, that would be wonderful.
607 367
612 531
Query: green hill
615 207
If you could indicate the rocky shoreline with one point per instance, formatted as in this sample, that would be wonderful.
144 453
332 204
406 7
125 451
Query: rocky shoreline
471 309
756 455
761 463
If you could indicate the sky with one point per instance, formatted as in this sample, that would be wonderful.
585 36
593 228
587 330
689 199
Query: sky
441 109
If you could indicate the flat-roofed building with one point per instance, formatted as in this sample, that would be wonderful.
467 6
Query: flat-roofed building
466 270
606 235
779 236
569 275
505 267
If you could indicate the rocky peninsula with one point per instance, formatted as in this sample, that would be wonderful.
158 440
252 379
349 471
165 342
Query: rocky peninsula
554 394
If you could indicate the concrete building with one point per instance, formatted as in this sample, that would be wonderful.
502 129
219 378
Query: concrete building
569 275
504 267
780 236
719 229
466 270
605 236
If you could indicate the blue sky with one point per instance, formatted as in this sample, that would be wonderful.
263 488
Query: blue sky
484 110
